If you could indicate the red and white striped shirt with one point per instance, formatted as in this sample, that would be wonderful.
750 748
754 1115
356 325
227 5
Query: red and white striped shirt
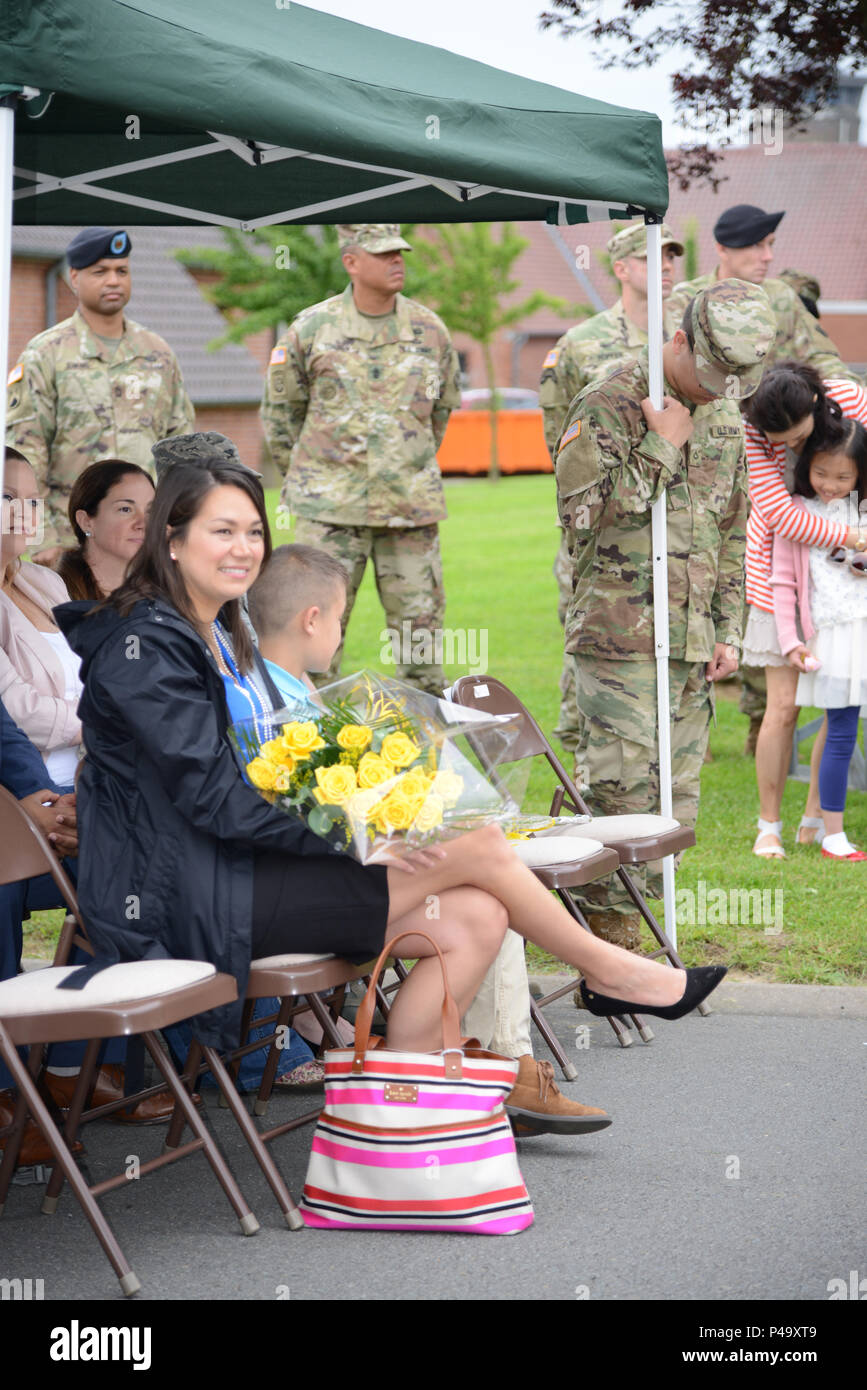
771 506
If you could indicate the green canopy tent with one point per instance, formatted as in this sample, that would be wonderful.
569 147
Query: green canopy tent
166 112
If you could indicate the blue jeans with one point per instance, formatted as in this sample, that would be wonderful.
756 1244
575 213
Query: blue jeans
839 747
295 1051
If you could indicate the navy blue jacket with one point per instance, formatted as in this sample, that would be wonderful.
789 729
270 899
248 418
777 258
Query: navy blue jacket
22 770
167 824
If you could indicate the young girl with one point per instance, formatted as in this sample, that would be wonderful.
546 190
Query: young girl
829 590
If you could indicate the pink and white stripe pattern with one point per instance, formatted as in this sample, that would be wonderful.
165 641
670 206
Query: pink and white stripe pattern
439 1157
771 507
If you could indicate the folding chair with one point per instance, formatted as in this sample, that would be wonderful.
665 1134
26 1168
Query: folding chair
136 997
636 839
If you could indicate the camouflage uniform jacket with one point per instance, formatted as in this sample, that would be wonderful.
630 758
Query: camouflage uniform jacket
798 333
355 409
70 404
610 471
587 351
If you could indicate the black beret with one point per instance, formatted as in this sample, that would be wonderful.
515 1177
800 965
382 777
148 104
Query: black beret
95 243
744 225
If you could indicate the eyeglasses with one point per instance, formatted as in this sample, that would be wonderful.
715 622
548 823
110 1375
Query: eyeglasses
857 560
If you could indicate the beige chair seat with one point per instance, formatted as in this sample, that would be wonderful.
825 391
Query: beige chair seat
555 849
609 829
38 992
282 962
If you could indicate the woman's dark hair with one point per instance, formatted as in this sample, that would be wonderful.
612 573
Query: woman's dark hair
686 325
178 499
787 393
88 492
844 436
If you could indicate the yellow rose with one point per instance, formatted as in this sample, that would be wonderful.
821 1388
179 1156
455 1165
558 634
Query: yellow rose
336 784
395 813
354 737
429 814
301 739
415 783
373 769
448 785
275 752
283 779
262 774
399 750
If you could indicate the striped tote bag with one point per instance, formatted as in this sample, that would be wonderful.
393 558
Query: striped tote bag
415 1141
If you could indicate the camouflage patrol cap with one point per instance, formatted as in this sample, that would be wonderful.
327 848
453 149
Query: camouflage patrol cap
806 287
734 329
372 236
200 448
632 241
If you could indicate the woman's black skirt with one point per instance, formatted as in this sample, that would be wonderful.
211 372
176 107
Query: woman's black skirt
323 904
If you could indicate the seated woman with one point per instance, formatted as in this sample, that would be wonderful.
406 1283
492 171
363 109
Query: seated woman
108 508
214 872
791 406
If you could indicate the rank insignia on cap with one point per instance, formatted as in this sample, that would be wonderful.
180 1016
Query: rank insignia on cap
15 375
278 357
551 359
572 433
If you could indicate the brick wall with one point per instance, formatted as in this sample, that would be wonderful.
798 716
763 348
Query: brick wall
241 425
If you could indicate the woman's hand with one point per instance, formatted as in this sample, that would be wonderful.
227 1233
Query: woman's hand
796 658
414 859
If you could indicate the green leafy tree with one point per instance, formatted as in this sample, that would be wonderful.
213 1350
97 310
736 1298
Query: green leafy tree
465 273
268 276
690 249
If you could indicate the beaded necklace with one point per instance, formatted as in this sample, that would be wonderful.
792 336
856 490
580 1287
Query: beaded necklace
226 665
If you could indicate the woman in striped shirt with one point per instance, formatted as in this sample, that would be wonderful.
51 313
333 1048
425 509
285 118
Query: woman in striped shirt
791 404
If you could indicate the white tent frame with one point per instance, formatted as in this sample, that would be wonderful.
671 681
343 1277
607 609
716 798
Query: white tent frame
254 153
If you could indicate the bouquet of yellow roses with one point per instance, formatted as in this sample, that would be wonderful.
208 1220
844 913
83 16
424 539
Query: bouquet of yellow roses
374 765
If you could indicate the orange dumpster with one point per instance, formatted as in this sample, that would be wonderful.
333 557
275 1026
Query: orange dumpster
466 447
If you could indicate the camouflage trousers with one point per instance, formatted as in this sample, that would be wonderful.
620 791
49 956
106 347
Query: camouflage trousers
754 686
617 762
568 729
409 580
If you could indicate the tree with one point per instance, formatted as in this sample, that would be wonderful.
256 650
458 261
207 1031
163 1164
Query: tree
268 276
464 272
750 56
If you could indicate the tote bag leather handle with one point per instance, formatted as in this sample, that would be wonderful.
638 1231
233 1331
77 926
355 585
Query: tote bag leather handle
450 1017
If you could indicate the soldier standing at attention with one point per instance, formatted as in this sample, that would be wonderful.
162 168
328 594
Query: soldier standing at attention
357 398
582 355
616 455
93 387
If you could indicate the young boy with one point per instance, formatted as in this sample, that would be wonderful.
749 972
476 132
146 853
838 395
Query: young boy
296 606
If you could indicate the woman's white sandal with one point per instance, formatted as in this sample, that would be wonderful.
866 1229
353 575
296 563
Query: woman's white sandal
769 827
814 823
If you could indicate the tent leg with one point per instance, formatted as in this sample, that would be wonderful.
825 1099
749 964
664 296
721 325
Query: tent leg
659 540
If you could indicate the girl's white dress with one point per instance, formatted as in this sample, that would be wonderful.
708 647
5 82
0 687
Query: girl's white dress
838 607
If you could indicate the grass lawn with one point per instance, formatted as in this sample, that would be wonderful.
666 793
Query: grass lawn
499 545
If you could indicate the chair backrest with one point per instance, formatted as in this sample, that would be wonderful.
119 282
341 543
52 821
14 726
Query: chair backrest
492 696
25 853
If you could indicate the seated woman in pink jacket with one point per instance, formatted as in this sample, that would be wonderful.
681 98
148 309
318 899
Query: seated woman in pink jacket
827 593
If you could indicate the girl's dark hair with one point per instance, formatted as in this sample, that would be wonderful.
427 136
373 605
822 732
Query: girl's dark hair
88 492
844 436
152 573
785 396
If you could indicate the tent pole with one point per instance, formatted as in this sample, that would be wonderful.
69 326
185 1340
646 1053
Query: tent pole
7 135
659 541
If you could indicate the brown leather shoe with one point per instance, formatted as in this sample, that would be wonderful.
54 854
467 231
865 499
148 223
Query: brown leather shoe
536 1105
156 1110
34 1148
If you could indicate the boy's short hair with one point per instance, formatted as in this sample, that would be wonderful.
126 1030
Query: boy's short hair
296 577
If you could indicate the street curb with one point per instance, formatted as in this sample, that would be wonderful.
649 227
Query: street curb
758 997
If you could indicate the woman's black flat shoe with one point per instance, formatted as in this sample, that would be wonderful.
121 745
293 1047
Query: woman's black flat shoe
700 980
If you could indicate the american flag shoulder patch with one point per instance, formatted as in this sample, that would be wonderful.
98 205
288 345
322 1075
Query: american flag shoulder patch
15 375
278 357
551 359
572 433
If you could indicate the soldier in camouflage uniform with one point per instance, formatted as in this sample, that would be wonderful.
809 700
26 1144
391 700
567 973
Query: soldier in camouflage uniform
357 398
93 387
586 352
745 236
616 455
